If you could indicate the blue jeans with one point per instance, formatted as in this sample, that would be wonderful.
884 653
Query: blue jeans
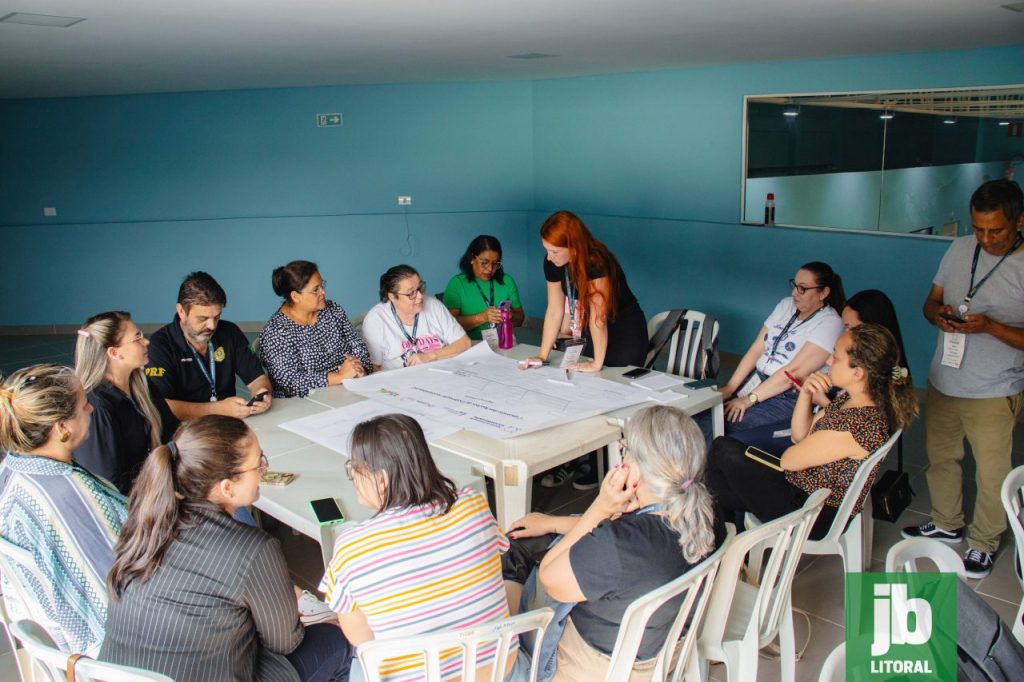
547 657
323 656
759 423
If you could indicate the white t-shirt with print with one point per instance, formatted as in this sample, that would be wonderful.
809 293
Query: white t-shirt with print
436 329
822 329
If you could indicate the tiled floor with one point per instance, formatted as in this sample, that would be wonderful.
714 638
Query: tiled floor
818 588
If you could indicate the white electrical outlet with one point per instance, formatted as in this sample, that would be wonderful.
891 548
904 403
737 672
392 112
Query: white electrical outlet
404 201
49 212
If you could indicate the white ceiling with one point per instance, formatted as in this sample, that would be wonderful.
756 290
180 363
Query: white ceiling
175 45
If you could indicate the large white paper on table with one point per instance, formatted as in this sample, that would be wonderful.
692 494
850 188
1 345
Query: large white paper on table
487 393
333 428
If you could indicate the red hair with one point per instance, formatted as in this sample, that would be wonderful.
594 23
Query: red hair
565 230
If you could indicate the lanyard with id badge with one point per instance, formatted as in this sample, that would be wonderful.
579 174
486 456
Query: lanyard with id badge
211 374
489 333
574 348
411 339
954 344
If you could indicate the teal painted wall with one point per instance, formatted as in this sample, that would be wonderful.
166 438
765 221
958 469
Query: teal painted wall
149 187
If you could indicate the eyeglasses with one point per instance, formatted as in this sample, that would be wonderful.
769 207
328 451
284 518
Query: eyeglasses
801 289
414 293
318 289
138 338
488 264
262 468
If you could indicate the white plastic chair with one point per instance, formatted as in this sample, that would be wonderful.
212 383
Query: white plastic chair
11 557
1011 495
903 556
834 667
697 584
429 647
682 360
51 663
848 537
743 618
20 660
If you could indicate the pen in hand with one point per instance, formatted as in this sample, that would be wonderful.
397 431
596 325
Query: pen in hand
796 382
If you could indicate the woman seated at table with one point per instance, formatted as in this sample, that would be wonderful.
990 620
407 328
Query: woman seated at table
408 327
427 561
589 298
65 517
309 342
829 446
196 595
796 338
110 356
473 295
652 521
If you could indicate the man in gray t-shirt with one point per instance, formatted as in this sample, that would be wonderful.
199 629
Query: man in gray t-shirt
976 380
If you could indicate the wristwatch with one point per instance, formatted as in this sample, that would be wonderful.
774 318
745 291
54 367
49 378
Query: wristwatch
752 397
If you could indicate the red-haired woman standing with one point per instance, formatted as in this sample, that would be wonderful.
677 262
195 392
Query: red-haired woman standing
588 298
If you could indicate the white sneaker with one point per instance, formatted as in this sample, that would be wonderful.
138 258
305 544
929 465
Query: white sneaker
312 610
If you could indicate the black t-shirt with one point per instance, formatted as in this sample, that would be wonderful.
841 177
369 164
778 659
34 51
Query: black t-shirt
118 441
174 373
619 561
624 295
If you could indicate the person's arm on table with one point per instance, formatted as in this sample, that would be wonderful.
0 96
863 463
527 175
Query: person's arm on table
598 325
809 358
449 351
552 322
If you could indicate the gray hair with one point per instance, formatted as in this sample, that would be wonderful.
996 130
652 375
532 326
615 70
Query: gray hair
670 453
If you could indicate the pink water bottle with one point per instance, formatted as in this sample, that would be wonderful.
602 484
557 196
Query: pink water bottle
506 339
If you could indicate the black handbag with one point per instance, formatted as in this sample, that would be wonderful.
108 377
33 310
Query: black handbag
891 494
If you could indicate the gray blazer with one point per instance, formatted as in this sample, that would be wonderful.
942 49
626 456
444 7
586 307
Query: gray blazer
220 607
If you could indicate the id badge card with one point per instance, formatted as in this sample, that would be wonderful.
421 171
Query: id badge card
490 337
571 354
953 346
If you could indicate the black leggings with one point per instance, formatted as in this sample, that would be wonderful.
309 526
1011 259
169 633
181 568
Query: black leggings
739 484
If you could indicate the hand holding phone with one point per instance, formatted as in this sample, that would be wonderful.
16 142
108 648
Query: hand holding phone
951 317
258 398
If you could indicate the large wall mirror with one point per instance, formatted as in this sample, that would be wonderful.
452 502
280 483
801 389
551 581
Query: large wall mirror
898 162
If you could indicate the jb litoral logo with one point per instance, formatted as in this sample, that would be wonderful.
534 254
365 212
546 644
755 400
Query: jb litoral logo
901 626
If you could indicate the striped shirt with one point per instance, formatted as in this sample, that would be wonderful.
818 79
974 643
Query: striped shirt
412 571
69 521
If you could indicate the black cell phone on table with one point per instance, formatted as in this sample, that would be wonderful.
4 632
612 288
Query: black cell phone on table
700 383
636 373
327 511
766 458
256 399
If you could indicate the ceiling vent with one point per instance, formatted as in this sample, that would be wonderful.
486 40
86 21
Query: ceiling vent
40 20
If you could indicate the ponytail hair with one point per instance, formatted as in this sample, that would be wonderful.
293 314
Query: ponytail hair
670 453
875 350
99 333
825 276
176 479
33 401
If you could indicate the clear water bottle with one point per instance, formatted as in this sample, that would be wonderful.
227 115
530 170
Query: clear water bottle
506 339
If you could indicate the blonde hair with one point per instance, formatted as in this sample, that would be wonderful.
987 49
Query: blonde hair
99 333
33 400
670 453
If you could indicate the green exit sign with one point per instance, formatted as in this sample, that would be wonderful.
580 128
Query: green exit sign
328 120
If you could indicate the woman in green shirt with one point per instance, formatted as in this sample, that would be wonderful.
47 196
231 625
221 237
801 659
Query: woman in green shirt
473 295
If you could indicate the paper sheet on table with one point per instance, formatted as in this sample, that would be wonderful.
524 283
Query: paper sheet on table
333 429
658 382
487 393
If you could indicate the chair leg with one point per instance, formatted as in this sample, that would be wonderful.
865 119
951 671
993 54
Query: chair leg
787 646
852 544
741 658
868 522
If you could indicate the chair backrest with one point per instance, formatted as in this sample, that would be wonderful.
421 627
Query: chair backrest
1011 492
15 564
6 621
860 479
697 584
687 345
785 537
834 667
903 556
52 662
469 641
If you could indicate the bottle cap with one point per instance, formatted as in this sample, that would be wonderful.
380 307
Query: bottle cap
771 196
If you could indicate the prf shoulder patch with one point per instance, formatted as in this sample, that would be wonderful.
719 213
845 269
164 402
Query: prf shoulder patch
155 371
